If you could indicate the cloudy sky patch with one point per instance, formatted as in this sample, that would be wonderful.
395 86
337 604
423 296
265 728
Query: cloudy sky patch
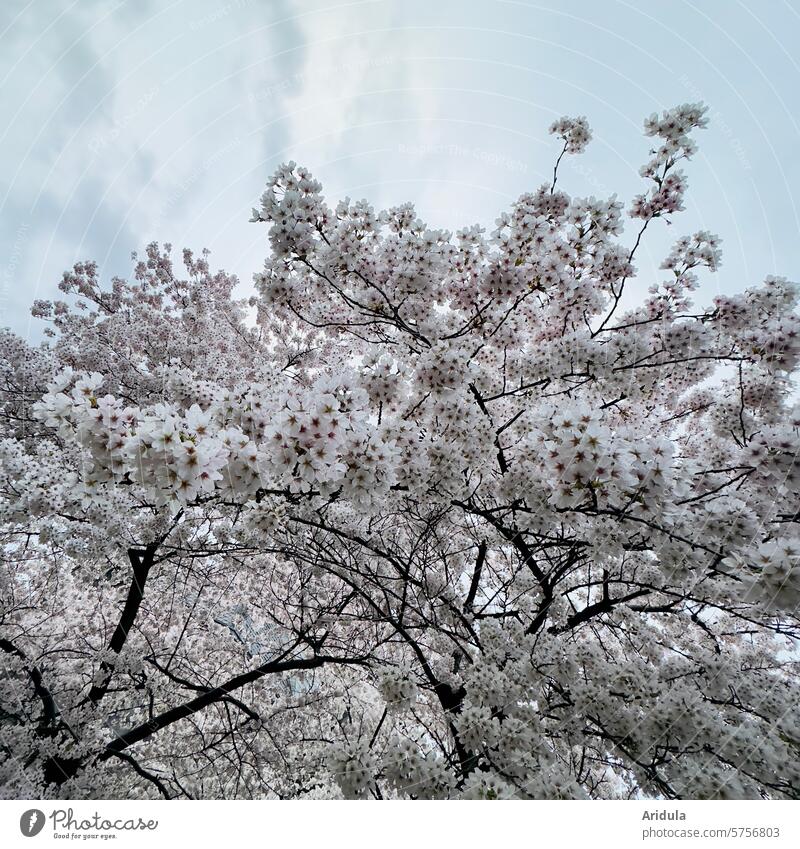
131 122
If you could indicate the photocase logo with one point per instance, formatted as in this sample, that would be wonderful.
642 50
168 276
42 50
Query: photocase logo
31 822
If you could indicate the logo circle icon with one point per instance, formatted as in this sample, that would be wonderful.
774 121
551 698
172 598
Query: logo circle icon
31 822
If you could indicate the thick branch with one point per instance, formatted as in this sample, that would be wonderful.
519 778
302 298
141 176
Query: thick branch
216 694
141 561
50 711
605 605
476 577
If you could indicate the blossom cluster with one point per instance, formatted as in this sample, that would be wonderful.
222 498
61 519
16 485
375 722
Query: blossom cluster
774 569
574 131
673 128
398 689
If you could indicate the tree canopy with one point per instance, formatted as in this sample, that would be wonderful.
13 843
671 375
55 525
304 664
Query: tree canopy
429 515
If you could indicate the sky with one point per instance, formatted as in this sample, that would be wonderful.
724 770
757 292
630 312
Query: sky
129 122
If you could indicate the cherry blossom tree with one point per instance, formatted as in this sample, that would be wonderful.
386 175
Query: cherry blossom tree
430 515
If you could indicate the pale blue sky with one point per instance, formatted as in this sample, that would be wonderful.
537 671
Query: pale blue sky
132 121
